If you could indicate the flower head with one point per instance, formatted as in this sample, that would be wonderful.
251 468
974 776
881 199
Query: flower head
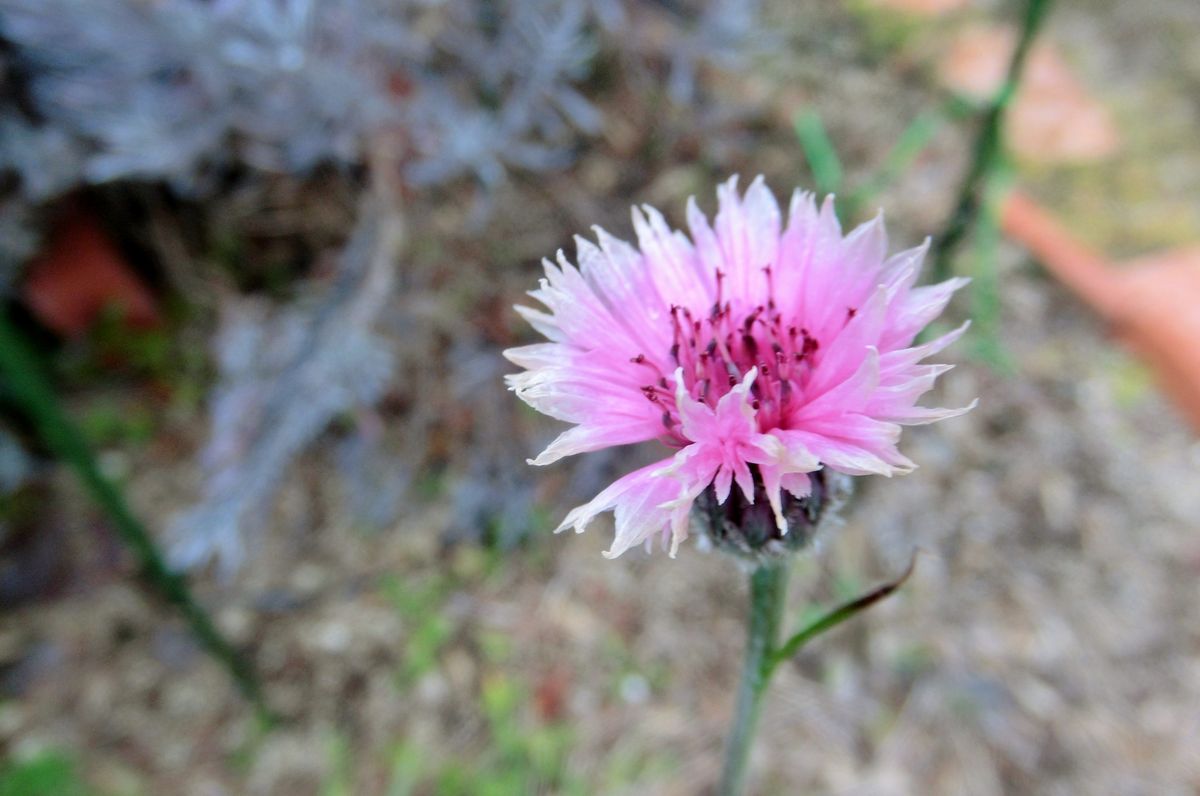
762 353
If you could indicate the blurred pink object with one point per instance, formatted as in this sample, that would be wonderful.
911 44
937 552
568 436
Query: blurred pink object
747 344
924 8
1152 302
1053 118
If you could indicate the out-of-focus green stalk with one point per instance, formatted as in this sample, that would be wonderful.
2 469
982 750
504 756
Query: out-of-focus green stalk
819 151
827 168
30 389
985 295
909 146
989 145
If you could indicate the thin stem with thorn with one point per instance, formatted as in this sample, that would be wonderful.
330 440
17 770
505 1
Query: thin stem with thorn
989 145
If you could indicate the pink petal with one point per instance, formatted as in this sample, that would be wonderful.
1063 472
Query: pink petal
851 394
845 354
914 312
672 260
899 360
745 481
795 251
734 414
722 484
799 485
618 276
920 415
637 500
584 438
705 240
855 444
824 280
748 233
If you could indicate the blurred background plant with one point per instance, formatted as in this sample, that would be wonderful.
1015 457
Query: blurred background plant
169 103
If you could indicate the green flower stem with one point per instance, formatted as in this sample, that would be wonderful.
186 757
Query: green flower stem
768 588
819 151
29 388
989 145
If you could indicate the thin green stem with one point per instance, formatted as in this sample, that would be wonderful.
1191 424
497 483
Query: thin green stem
30 390
768 587
989 144
768 590
985 297
819 151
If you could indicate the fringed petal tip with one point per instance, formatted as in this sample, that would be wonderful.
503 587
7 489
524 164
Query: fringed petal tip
946 414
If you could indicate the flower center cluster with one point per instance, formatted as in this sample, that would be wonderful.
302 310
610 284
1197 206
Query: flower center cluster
717 349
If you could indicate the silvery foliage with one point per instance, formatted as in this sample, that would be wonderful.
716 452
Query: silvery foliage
160 89
176 90
491 498
16 464
725 33
258 427
286 372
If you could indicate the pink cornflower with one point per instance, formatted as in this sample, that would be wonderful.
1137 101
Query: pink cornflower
757 353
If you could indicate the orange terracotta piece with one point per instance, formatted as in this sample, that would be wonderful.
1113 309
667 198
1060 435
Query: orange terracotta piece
1153 302
1053 117
80 274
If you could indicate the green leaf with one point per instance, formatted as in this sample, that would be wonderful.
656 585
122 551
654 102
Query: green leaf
46 774
835 617
818 150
